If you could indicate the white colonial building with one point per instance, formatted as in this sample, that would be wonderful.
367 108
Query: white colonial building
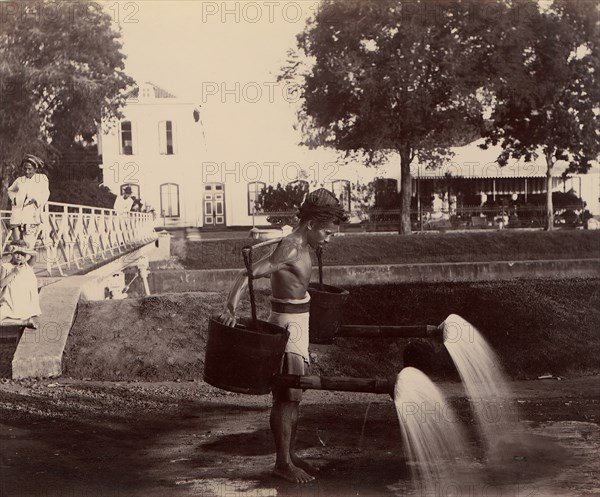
156 149
159 150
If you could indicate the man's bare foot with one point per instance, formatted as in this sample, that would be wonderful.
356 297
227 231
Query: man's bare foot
292 473
302 464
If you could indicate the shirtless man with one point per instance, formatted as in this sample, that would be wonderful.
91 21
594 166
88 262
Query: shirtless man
289 268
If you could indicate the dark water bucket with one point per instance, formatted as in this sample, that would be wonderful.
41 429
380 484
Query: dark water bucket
326 311
245 358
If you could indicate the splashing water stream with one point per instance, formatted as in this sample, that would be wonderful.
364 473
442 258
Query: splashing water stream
432 436
483 379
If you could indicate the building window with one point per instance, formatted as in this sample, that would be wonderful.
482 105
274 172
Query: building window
135 189
169 200
254 190
126 132
341 189
166 137
386 191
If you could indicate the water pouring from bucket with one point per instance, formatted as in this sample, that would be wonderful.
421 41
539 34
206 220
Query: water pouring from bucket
483 378
433 438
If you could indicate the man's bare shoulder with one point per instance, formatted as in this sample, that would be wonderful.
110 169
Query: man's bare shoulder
288 251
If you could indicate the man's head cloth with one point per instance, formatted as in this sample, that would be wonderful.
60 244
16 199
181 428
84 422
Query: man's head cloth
321 206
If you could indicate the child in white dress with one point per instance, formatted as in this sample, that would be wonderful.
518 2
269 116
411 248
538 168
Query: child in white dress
28 195
19 299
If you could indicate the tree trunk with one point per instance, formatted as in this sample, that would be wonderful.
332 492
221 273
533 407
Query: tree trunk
549 206
4 184
405 191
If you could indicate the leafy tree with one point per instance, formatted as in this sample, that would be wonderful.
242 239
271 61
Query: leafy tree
385 194
61 72
547 100
282 202
567 200
83 192
362 198
382 76
376 199
79 161
76 178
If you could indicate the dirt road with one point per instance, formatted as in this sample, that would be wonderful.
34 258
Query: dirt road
76 438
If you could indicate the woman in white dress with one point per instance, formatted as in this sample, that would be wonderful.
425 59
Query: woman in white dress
28 195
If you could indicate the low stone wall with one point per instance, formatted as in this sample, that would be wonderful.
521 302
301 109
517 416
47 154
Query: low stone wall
39 353
222 279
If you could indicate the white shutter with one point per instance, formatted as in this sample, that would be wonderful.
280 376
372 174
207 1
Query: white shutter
120 138
162 137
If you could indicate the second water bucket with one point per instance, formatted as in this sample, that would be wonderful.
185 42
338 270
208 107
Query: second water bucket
326 311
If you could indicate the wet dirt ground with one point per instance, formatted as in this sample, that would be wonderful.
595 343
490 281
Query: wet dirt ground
74 438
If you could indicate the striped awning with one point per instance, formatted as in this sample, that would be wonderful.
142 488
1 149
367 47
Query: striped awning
502 186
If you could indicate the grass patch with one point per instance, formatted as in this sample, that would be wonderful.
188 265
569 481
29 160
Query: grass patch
427 248
535 326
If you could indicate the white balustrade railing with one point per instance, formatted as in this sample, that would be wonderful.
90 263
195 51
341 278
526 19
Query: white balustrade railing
70 235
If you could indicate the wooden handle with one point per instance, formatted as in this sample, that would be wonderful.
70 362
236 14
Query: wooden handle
247 253
415 331
265 243
338 383
320 261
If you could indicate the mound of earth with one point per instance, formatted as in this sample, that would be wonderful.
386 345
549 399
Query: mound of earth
536 327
